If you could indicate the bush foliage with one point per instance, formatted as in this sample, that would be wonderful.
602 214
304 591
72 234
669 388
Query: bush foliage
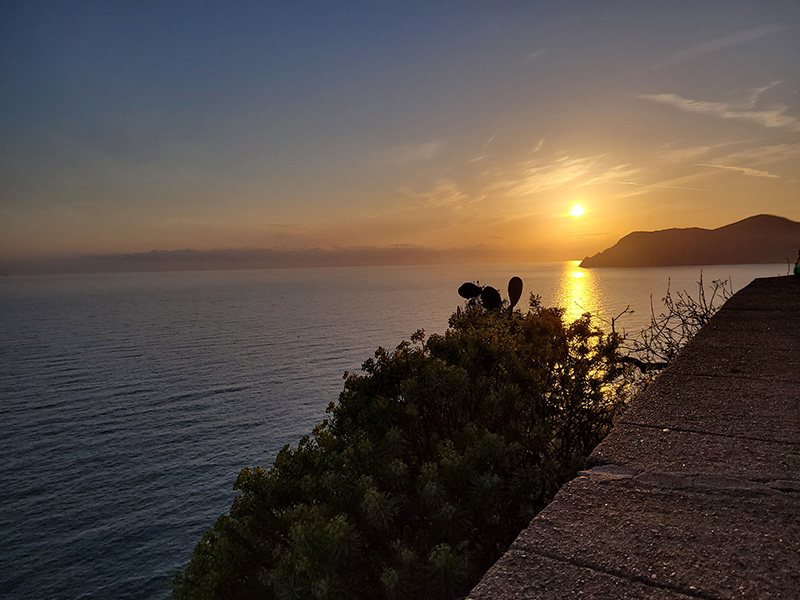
435 457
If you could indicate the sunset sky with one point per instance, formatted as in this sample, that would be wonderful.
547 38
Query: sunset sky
133 126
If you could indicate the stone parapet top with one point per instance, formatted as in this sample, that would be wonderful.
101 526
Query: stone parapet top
696 492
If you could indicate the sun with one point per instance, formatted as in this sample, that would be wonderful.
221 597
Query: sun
577 211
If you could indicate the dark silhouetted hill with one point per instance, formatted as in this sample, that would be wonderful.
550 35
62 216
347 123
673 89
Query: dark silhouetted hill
762 239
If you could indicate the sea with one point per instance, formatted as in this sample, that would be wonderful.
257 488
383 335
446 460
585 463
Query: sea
129 402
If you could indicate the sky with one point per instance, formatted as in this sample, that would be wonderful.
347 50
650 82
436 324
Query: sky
127 127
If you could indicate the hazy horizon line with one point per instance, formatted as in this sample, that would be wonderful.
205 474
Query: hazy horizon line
188 259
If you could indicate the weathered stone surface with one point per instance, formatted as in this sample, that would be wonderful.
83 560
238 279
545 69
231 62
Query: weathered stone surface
728 406
706 542
738 361
696 492
778 329
521 575
763 295
685 453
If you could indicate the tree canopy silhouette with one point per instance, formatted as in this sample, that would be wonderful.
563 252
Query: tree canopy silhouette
435 457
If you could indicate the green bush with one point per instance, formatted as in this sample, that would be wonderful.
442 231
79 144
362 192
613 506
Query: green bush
434 459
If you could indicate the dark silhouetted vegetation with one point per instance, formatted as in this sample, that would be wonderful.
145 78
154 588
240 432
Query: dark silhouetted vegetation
683 315
437 454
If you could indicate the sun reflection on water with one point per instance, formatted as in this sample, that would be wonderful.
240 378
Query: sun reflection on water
577 292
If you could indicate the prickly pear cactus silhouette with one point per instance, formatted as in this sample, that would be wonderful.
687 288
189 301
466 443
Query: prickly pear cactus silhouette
469 290
514 292
488 296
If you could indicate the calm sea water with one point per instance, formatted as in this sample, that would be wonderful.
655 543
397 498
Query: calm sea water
129 402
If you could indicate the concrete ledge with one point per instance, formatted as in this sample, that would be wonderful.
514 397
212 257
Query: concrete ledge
696 492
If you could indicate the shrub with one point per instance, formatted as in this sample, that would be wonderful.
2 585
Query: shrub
681 318
435 457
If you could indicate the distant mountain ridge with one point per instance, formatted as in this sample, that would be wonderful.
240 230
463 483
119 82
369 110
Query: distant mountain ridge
761 239
250 258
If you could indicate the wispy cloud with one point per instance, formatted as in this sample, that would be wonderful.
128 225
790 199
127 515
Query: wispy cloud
540 175
444 194
743 170
717 44
764 155
536 177
532 57
751 161
484 154
704 162
757 154
682 155
774 118
674 183
618 174
751 98
409 153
